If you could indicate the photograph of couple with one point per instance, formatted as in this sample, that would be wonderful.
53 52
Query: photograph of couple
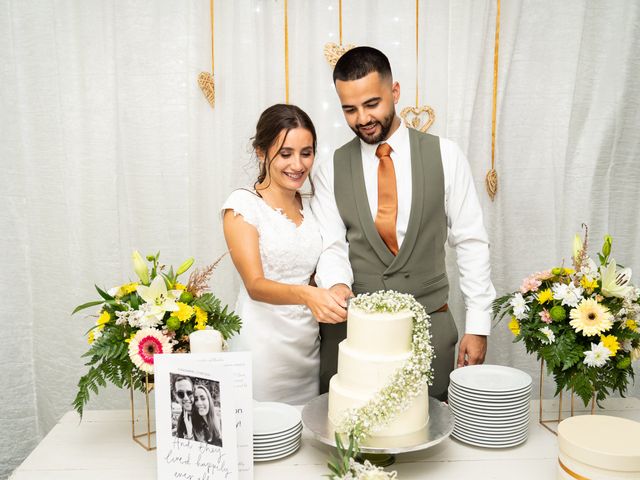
195 409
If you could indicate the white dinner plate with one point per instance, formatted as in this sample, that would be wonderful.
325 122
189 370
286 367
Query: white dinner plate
483 423
492 433
279 436
271 418
265 443
491 438
491 378
475 411
276 457
470 402
276 450
489 397
462 417
478 443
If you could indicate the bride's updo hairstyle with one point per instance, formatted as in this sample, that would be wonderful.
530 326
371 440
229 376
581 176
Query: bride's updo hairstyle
271 123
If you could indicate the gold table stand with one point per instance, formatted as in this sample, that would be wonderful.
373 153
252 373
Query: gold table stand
144 438
555 421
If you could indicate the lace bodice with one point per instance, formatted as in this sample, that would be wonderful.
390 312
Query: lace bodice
289 253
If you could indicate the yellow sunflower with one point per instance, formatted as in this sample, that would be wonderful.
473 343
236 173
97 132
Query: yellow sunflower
590 318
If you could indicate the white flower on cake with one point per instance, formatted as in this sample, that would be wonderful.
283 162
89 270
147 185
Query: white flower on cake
597 356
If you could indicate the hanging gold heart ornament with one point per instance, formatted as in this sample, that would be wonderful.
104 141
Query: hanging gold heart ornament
418 118
333 52
205 81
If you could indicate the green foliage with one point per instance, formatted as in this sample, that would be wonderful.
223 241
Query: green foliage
340 463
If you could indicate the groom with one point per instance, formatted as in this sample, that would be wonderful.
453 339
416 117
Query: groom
387 204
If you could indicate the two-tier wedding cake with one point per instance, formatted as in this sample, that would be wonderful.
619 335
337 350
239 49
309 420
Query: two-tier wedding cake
380 330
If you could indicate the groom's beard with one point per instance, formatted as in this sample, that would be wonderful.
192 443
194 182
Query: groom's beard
385 125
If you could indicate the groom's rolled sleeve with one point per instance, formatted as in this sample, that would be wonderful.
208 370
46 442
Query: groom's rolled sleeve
333 266
469 238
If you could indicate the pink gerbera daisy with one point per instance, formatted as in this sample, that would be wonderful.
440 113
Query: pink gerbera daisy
144 345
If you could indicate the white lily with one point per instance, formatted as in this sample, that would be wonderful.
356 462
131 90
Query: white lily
158 298
140 267
616 283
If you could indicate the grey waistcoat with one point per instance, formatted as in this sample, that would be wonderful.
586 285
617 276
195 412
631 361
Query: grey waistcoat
419 267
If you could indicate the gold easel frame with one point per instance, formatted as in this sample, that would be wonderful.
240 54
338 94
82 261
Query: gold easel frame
137 437
545 422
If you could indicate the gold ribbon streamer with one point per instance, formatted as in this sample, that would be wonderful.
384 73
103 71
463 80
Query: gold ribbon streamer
286 51
417 61
570 472
340 19
491 179
205 79
213 66
414 116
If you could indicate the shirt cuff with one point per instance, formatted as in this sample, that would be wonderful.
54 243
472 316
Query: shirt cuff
328 281
478 322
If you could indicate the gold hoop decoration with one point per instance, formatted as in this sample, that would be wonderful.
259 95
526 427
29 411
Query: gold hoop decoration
286 51
333 51
491 179
205 79
420 117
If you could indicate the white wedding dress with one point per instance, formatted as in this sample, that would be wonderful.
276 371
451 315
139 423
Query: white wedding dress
283 339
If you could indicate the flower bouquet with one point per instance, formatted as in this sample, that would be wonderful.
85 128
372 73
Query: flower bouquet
139 319
583 322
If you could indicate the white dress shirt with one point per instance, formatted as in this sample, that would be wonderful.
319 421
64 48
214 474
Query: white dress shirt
466 232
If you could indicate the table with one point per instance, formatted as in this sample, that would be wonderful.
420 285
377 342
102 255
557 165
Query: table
101 448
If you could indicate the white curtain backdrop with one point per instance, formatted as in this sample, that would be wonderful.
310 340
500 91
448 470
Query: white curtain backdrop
107 145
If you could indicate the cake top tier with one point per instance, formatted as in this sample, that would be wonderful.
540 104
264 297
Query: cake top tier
381 323
383 301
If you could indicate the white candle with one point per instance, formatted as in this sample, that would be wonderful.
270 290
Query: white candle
205 341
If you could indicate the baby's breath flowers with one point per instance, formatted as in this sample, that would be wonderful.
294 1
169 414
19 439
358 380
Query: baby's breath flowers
408 381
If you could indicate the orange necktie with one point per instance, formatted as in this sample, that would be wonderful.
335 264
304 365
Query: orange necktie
387 198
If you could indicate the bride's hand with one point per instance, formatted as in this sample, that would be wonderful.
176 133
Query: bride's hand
327 306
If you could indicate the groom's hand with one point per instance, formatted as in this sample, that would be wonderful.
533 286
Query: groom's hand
326 305
343 291
472 350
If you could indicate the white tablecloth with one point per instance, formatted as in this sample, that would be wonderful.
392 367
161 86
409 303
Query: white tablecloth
101 448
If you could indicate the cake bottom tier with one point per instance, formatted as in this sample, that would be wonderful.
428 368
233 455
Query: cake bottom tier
415 418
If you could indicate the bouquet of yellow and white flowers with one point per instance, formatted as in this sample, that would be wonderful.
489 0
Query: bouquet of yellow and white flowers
153 315
583 322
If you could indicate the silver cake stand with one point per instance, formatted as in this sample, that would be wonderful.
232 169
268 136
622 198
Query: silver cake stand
380 450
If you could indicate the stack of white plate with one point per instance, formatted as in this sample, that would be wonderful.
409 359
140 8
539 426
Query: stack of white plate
277 430
490 404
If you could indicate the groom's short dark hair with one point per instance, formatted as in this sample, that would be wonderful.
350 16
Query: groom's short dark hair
360 62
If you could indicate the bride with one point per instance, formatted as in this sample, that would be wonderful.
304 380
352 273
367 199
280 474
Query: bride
275 243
